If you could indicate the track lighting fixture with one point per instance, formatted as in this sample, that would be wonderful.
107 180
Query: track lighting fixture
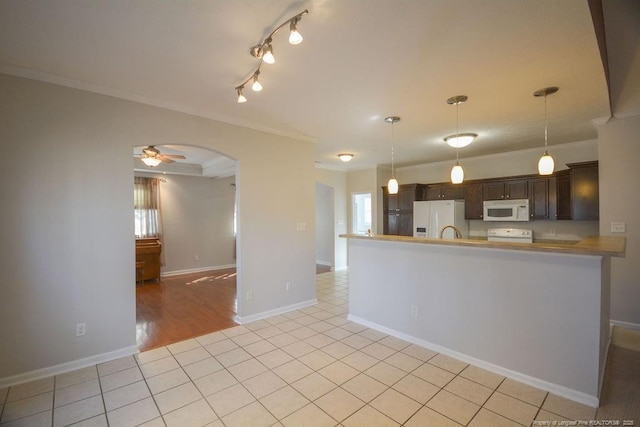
545 164
264 51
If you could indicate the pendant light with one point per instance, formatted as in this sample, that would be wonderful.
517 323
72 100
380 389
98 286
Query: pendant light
545 164
392 186
457 173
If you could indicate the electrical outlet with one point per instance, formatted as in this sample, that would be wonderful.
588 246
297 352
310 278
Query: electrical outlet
552 232
618 227
288 286
301 226
414 311
81 329
196 258
249 295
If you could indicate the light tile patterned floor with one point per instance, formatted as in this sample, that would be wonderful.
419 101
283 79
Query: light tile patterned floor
310 367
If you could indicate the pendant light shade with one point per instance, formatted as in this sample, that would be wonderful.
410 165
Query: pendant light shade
392 185
457 174
546 163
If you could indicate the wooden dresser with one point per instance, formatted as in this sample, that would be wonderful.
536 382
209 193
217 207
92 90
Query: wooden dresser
148 259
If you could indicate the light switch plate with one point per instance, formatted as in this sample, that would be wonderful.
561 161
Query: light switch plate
618 227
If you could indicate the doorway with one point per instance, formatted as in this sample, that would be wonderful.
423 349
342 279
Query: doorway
195 293
325 232
362 214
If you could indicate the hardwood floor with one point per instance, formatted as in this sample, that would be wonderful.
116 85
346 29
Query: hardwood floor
185 306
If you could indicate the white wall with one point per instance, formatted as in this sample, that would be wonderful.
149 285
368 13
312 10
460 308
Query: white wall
619 177
338 182
197 218
67 247
325 234
620 154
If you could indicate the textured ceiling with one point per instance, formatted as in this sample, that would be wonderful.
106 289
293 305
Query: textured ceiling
360 61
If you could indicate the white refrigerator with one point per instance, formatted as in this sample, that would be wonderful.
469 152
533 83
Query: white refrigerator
430 217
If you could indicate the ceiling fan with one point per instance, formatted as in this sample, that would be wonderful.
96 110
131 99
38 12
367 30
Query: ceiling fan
151 156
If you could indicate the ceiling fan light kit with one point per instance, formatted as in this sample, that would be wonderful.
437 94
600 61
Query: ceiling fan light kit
152 157
264 51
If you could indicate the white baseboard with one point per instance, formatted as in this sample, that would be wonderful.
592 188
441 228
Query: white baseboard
196 270
557 389
67 367
325 263
626 325
275 311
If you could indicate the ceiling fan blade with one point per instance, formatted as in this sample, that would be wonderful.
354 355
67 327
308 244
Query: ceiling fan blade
174 156
165 159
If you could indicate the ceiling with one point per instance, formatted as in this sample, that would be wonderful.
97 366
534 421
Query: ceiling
360 61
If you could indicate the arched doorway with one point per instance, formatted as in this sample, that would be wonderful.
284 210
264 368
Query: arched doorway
195 290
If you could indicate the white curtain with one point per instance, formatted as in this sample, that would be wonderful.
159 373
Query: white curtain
147 212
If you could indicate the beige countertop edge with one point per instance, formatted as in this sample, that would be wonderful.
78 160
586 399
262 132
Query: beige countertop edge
599 246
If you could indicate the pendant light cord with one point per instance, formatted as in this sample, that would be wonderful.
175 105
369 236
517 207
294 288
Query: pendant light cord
392 172
457 131
545 122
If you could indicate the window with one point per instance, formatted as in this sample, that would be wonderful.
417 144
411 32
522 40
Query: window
146 205
361 213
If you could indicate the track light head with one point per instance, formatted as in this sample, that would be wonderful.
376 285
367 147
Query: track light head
294 36
256 86
267 54
241 97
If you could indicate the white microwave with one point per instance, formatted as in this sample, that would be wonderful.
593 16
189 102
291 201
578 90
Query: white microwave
506 210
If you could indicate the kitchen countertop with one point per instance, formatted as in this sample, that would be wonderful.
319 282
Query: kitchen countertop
596 245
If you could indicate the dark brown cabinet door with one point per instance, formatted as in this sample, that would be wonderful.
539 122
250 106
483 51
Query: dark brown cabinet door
584 191
510 189
539 201
433 193
406 197
405 224
563 195
398 209
494 190
453 192
473 198
444 192
391 222
517 189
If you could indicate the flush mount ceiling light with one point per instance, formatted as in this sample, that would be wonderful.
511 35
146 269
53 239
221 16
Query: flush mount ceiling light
264 51
458 140
345 157
392 185
545 164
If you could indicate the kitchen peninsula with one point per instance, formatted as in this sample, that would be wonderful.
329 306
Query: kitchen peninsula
538 312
